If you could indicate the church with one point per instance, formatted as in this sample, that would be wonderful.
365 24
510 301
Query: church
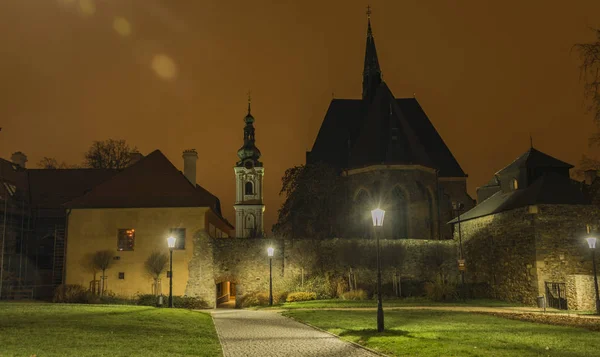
391 156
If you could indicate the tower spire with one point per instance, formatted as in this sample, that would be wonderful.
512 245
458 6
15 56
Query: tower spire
372 71
249 101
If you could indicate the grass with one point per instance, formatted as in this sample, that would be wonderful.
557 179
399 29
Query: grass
40 329
442 333
406 302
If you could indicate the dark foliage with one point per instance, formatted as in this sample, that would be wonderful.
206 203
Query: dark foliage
109 154
315 202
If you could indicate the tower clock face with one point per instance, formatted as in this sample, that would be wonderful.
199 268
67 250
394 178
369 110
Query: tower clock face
248 164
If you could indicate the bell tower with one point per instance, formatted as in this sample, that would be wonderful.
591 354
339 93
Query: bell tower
249 206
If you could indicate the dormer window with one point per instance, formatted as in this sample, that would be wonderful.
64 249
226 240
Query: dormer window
249 188
514 184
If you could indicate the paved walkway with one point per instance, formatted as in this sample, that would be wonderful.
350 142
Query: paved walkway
267 333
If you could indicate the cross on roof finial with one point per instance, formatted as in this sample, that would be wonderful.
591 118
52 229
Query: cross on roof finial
249 100
369 11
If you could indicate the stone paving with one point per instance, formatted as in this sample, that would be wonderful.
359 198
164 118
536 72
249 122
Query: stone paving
267 333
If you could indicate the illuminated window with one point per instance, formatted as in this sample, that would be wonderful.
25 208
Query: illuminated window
249 188
514 184
178 233
126 239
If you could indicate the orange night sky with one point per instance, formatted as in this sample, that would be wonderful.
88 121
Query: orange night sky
173 75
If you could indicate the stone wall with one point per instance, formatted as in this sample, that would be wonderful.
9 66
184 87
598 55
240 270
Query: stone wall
516 252
581 294
500 250
244 262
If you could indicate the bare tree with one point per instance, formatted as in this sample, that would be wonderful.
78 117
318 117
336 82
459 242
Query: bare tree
102 260
155 265
589 54
51 163
109 154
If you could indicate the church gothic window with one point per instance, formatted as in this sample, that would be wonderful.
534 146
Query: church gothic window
249 188
363 214
431 215
398 214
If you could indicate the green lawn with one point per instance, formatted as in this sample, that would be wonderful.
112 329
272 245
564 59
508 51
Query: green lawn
338 303
442 333
104 330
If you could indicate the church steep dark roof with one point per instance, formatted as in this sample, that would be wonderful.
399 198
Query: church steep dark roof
380 129
347 120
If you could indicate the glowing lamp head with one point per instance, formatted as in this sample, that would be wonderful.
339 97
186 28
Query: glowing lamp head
171 242
378 214
591 242
270 251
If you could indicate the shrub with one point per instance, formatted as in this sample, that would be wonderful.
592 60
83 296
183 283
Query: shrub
188 302
255 299
301 296
148 300
439 291
71 293
319 285
280 297
355 295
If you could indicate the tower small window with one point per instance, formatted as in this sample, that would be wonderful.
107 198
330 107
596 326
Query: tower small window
514 184
249 188
394 133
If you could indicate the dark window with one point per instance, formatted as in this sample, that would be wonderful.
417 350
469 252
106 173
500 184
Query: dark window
399 214
179 234
431 215
126 239
121 275
363 214
249 188
168 273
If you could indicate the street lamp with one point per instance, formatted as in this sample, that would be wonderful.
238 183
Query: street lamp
458 206
171 242
270 252
378 214
592 244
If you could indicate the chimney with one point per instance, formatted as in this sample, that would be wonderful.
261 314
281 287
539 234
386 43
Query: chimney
134 157
18 158
590 176
189 165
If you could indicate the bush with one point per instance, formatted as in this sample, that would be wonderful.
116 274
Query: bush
188 302
255 299
71 294
148 300
355 295
439 291
319 285
301 296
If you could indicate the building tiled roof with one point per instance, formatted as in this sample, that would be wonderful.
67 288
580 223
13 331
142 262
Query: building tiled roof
534 158
151 182
355 133
550 188
51 188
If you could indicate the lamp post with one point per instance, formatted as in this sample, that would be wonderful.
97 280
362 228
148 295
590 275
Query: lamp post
270 252
458 206
171 242
378 214
592 244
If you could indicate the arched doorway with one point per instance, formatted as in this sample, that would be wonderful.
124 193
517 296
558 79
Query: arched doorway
226 291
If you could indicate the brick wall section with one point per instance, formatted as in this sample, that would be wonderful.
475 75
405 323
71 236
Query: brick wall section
517 251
